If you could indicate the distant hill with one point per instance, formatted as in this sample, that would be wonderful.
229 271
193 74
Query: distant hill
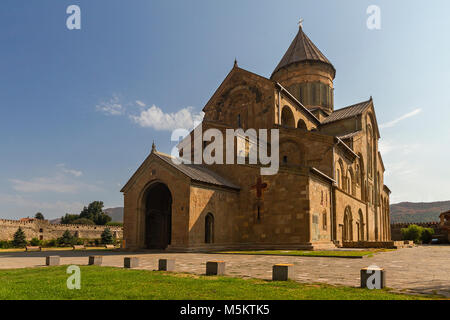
418 212
115 213
55 221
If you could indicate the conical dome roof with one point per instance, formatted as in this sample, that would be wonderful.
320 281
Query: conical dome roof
302 49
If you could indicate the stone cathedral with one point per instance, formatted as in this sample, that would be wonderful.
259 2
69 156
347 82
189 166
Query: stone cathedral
329 191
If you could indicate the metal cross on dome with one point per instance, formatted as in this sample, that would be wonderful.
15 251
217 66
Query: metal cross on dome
300 23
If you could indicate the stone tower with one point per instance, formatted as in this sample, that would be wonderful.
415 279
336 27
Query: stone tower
307 74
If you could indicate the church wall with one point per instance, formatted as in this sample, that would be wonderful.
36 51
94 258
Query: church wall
342 201
342 127
245 100
222 204
283 207
134 210
316 150
320 210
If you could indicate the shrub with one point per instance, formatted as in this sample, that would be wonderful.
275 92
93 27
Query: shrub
6 244
35 242
427 235
66 239
107 237
49 243
20 240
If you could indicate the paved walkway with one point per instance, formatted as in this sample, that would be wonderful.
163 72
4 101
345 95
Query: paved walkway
424 269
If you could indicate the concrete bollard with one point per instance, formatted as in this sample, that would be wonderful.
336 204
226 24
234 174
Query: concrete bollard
215 268
166 265
373 277
282 272
52 260
131 262
95 260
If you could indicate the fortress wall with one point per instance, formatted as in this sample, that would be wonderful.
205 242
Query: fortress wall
44 230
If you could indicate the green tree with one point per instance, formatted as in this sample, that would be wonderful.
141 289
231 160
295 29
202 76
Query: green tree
69 218
66 239
39 216
94 212
107 237
35 242
413 232
83 221
20 240
427 235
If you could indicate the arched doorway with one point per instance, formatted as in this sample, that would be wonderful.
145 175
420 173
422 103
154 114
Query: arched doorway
209 228
287 118
347 232
158 216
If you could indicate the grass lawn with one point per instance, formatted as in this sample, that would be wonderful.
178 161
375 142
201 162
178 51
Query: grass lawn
54 249
338 254
117 283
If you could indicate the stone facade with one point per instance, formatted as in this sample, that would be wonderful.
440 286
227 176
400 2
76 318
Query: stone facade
43 230
329 189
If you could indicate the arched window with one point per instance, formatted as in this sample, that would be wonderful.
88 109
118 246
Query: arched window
369 150
302 125
338 177
209 228
350 181
287 118
324 220
360 225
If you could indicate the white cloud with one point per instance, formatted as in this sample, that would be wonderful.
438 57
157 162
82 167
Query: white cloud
73 172
112 107
386 147
405 116
43 184
155 118
62 182
20 201
140 103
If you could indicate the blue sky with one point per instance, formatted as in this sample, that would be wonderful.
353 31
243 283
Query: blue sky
75 104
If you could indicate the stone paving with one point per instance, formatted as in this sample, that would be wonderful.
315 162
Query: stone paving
423 269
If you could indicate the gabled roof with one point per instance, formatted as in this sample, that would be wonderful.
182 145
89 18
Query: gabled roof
233 71
348 112
349 135
195 172
302 49
198 172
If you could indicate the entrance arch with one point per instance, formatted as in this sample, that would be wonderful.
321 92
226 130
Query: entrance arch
347 234
158 216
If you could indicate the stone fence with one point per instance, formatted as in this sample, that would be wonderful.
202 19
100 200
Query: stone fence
44 230
439 232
